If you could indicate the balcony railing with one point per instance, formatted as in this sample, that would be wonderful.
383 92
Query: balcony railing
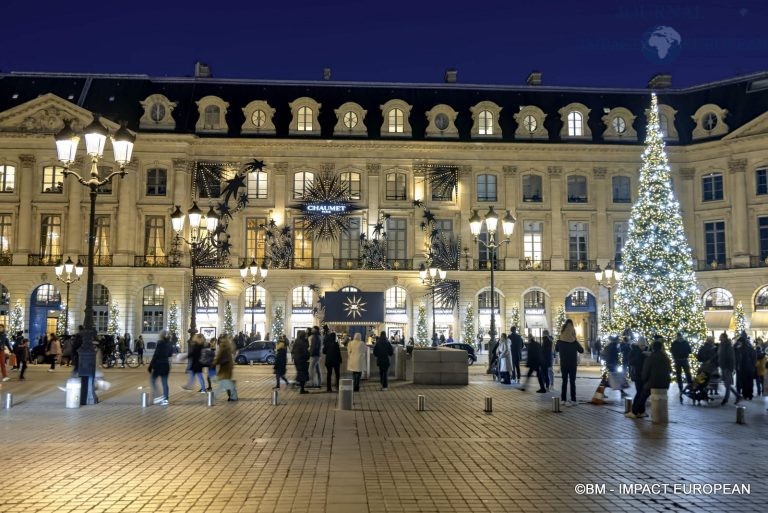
151 261
6 258
580 265
758 262
714 265
98 260
304 263
485 264
347 263
535 265
38 260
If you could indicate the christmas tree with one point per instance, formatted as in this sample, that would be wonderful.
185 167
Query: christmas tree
229 323
740 319
514 316
604 327
658 292
61 321
469 325
173 319
113 326
278 323
422 335
17 318
559 320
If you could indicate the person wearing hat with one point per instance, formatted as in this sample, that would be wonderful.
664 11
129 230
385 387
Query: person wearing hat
656 374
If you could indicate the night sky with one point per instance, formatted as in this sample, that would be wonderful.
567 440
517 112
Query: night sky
574 43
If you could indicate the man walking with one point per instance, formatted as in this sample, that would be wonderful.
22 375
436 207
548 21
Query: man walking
516 347
314 357
680 350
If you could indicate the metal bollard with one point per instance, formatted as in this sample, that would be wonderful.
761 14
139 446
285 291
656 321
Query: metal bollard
209 396
275 397
556 404
144 399
420 403
346 392
627 405
8 402
740 413
488 405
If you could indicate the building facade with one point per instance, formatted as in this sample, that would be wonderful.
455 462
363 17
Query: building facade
563 161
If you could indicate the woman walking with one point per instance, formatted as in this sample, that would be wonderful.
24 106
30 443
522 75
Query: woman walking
504 359
382 351
547 371
281 361
356 362
224 363
53 351
300 354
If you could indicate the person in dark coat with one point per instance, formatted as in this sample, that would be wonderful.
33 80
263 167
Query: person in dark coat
637 357
332 353
315 348
534 364
568 348
656 374
611 354
160 367
196 344
382 351
300 354
746 368
547 349
681 350
516 347
281 361
726 358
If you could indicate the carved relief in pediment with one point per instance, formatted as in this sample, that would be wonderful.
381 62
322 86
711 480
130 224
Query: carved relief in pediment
46 114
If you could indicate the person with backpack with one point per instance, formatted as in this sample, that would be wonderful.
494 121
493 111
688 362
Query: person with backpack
382 350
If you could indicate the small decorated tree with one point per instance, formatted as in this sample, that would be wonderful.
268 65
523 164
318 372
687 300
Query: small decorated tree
514 316
604 326
173 319
740 319
229 323
17 318
113 326
61 321
559 320
278 323
469 325
422 335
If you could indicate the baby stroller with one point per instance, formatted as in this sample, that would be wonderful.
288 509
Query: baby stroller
699 389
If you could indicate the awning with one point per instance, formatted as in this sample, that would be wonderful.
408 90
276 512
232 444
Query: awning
759 320
536 321
718 319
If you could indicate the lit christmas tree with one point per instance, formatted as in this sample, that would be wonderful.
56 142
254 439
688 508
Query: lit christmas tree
604 327
61 321
17 318
514 316
113 326
173 319
278 323
469 325
422 335
658 293
559 320
229 323
740 319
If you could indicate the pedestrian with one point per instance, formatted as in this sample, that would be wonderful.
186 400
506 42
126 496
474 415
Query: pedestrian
21 350
547 369
637 357
516 349
66 351
315 346
77 343
140 349
332 352
435 339
681 350
127 338
53 351
5 345
357 360
206 360
160 367
568 348
281 361
195 365
504 359
121 350
598 348
727 360
300 354
224 363
656 373
746 365
382 351
759 367
479 342
534 364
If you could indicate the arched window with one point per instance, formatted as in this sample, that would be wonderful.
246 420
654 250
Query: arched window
305 119
664 125
718 299
352 181
396 186
301 180
395 118
46 294
302 297
484 301
761 299
621 189
575 124
394 298
534 300
349 288
532 188
485 123
211 113
101 302
486 187
577 189
152 309
257 300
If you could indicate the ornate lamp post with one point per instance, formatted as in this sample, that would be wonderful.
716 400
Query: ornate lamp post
66 148
608 278
491 220
197 223
68 273
431 276
253 276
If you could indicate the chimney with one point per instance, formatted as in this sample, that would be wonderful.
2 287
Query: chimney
450 76
202 70
326 73
660 81
534 78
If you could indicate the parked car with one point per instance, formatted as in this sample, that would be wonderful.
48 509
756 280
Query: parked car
471 356
262 351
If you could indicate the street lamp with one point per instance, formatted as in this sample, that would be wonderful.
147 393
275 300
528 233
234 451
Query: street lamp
608 278
253 276
67 140
68 273
197 223
491 223
431 276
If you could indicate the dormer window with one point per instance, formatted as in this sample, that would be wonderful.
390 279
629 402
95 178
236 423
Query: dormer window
395 118
441 120
575 124
486 120
212 111
396 114
157 112
258 118
349 120
305 120
710 121
305 112
619 125
574 117
530 124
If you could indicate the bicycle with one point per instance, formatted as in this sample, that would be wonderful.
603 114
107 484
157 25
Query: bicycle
132 361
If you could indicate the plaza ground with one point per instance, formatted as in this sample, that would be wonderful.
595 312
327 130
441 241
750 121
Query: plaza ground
384 456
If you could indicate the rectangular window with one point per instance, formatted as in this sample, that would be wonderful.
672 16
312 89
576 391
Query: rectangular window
7 178
483 253
302 246
396 186
157 182
350 241
154 236
208 180
714 241
300 183
532 188
6 234
761 177
762 226
620 229
578 239
255 242
257 185
104 171
352 181
152 320
486 188
621 189
50 238
712 187
532 241
53 179
397 231
444 227
101 319
101 249
577 189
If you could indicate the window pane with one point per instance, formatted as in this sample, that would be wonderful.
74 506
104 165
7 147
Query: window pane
305 119
53 179
577 241
257 185
621 192
619 239
6 233
395 121
300 182
712 187
761 177
255 238
352 181
486 188
532 188
575 128
532 241
154 236
396 186
156 182
50 238
396 238
302 246
7 178
485 123
350 240
577 189
714 241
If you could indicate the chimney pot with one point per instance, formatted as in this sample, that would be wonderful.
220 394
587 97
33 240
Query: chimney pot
450 76
534 78
326 73
660 81
202 70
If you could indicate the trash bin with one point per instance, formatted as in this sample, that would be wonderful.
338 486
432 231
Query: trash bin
73 393
345 394
659 406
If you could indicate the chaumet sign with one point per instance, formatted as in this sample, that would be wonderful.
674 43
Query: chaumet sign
324 208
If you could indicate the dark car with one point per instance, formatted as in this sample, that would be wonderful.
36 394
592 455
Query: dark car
471 357
262 351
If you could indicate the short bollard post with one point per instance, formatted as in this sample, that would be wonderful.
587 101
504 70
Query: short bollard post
740 413
556 404
627 405
8 401
209 397
345 394
488 405
420 403
275 397
144 399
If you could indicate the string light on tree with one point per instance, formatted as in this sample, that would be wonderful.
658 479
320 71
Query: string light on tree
469 325
422 336
278 322
173 319
740 318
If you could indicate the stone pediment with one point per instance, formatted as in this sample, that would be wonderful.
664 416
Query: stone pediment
758 126
46 114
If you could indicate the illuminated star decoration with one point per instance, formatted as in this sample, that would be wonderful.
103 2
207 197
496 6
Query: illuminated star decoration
353 305
329 190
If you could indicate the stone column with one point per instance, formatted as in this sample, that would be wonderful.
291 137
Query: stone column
324 249
511 195
602 246
282 189
685 196
77 223
124 230
24 221
556 227
182 182
738 201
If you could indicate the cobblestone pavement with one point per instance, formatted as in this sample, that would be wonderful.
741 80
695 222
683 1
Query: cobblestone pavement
384 456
